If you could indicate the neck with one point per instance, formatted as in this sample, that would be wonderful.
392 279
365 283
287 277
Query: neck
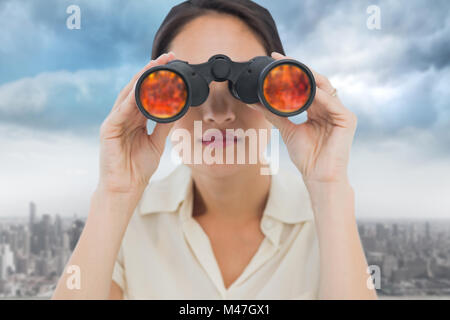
237 198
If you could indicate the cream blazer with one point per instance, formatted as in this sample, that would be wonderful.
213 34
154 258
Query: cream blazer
165 254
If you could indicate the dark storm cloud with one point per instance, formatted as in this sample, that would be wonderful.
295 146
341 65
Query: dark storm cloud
421 29
35 37
393 78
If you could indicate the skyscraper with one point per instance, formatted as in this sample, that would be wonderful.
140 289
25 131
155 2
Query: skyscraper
32 215
6 261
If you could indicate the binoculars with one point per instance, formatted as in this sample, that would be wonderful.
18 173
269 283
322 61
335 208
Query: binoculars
164 93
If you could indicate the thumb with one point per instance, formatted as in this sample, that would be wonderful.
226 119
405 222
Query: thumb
158 137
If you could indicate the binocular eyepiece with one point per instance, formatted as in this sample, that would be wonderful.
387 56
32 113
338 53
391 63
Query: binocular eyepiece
286 87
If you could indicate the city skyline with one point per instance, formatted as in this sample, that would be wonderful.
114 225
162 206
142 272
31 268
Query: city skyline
412 257
33 253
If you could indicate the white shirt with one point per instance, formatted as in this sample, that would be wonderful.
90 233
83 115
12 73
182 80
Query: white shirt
165 253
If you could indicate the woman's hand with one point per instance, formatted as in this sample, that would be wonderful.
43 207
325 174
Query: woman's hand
128 158
128 155
319 147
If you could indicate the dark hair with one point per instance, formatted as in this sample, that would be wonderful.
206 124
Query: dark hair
255 16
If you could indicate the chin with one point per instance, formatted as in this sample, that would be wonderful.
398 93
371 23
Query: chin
223 169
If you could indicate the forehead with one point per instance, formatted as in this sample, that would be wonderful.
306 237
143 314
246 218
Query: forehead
215 33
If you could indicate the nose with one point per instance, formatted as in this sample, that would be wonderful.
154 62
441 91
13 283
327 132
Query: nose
219 107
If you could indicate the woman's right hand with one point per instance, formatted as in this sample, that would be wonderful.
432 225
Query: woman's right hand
128 159
128 155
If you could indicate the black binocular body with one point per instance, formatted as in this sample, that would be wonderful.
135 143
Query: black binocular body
164 93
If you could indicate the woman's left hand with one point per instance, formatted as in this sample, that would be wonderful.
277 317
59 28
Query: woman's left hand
319 147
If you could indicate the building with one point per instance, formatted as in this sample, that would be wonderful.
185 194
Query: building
6 261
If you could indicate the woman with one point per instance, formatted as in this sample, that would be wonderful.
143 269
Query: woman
221 231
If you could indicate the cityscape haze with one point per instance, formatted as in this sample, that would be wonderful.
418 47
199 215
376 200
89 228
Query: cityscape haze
412 255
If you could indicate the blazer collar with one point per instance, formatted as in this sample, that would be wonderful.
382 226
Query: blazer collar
288 199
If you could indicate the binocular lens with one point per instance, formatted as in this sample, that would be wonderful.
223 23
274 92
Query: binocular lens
287 88
163 94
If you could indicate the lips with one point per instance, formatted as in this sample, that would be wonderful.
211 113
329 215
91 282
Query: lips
227 139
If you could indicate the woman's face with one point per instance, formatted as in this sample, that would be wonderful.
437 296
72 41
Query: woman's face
200 39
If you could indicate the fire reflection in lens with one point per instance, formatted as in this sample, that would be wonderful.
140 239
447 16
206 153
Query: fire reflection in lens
286 88
163 94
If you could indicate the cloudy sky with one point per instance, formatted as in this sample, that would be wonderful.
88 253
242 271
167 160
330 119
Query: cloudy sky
57 85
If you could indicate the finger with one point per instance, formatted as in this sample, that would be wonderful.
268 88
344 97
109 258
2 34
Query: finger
162 59
126 90
322 82
158 137
128 109
325 106
278 56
